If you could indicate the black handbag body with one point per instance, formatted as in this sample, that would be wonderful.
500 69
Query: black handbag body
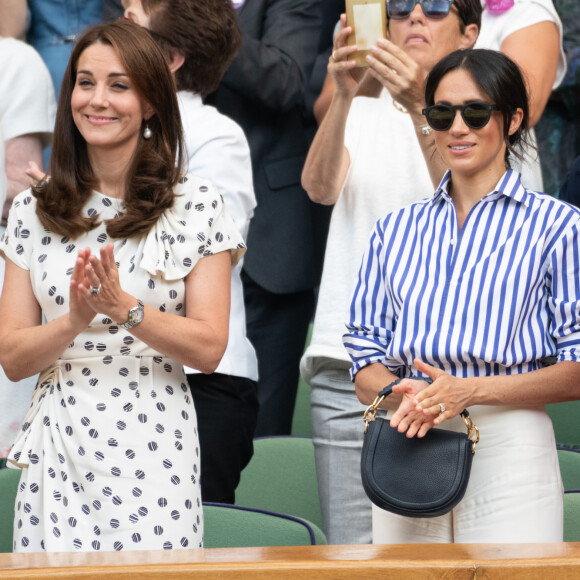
416 477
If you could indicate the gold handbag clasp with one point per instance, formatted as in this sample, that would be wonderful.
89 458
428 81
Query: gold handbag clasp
371 411
472 431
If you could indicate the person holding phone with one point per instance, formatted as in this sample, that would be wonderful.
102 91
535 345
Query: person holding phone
475 287
367 159
530 32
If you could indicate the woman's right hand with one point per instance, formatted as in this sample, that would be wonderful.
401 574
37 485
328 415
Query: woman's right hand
407 418
346 76
80 313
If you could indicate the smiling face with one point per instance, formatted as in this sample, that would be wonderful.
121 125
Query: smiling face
471 153
106 108
427 40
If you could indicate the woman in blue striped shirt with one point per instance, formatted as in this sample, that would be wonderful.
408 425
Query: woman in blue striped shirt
477 288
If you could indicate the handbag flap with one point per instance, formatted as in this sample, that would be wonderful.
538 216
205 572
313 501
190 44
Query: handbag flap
418 477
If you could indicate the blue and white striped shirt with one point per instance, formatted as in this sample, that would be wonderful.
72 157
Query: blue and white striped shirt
501 296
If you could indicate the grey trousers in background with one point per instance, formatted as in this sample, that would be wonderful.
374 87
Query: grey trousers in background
338 428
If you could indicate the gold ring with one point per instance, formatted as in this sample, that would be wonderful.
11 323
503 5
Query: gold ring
333 57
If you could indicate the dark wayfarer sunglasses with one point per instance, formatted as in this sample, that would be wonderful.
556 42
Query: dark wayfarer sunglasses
434 9
475 115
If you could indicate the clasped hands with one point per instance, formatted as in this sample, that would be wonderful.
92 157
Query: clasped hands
420 409
101 273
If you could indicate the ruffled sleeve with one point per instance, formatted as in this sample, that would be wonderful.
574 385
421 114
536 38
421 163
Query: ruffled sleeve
17 241
198 225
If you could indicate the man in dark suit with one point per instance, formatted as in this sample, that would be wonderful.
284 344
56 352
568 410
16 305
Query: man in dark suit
263 91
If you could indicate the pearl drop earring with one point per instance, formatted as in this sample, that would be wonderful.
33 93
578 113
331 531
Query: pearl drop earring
147 132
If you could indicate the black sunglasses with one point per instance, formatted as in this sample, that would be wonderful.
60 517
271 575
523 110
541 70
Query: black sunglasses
434 9
475 115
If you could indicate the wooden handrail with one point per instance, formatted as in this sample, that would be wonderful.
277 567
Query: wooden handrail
404 561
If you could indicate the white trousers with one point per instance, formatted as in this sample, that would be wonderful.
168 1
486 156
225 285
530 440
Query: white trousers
515 491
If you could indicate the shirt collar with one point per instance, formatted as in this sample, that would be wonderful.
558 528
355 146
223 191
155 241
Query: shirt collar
190 99
509 185
442 192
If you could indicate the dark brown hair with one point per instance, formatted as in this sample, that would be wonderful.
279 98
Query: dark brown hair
205 32
500 78
153 172
469 12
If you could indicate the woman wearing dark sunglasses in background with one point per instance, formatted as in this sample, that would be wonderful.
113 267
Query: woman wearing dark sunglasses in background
530 33
367 160
476 288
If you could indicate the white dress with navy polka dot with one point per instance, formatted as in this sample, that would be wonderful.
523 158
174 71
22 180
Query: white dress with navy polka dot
109 447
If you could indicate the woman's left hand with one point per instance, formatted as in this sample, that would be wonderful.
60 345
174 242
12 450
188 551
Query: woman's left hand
103 274
399 73
455 394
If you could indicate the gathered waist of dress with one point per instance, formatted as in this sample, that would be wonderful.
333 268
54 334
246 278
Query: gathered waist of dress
73 382
109 358
136 368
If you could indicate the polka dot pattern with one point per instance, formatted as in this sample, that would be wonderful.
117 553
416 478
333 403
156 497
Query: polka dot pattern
109 445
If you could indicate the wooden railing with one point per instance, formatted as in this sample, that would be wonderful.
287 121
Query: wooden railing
369 562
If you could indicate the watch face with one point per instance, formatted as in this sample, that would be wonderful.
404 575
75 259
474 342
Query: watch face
136 315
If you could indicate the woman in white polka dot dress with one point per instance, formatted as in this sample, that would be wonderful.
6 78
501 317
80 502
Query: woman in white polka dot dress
129 261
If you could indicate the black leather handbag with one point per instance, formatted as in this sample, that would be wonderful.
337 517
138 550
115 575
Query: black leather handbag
417 477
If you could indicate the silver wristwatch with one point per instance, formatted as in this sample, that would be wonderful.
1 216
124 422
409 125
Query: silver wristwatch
136 316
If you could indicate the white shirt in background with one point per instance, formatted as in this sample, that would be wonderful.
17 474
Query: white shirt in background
218 150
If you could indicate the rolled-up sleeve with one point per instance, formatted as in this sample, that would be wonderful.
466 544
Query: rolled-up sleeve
564 303
371 317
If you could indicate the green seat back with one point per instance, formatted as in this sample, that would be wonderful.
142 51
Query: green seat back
228 526
9 479
225 526
281 477
572 516
302 418
569 460
566 420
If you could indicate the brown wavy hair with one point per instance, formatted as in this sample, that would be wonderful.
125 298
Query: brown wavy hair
153 172
205 32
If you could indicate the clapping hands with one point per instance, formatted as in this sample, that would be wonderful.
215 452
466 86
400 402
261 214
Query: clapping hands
95 288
